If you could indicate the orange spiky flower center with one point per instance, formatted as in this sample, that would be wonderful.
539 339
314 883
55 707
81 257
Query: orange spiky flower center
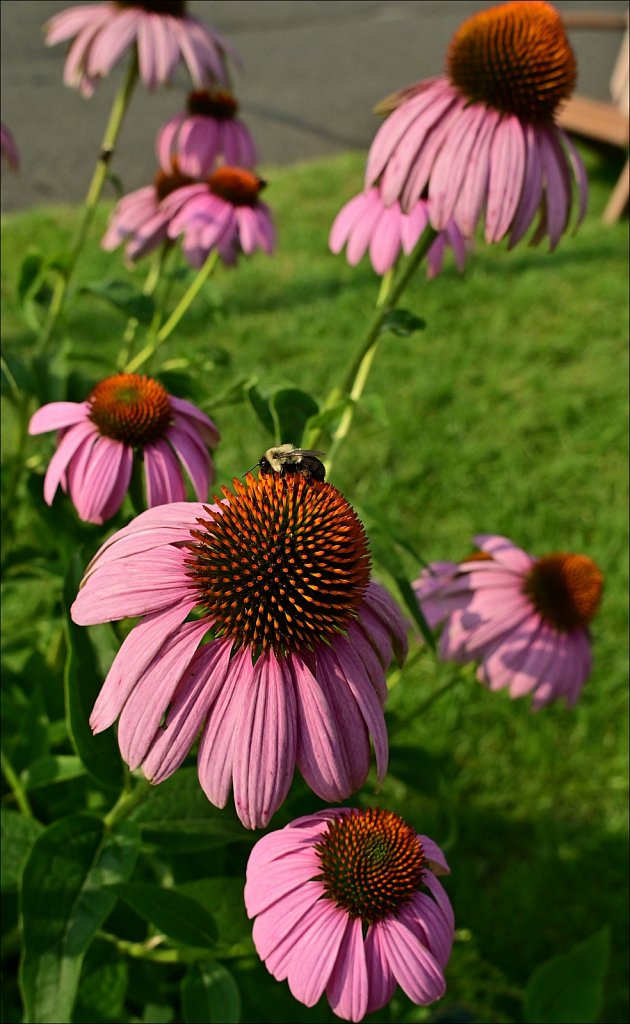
176 8
283 564
565 590
515 58
236 185
166 183
130 408
372 863
216 103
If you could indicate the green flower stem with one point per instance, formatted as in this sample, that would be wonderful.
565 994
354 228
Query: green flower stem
160 336
128 801
437 695
149 950
151 283
110 138
358 371
17 788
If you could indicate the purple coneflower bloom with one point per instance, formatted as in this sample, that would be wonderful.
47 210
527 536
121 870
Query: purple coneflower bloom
525 619
123 415
483 137
206 132
8 148
102 33
347 903
284 660
140 218
365 222
223 213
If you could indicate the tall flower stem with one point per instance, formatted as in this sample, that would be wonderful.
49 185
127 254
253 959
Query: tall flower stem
110 138
149 287
160 336
355 378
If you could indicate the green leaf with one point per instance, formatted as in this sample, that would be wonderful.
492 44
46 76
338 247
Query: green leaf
210 995
125 297
402 323
103 984
569 987
291 409
222 896
82 683
18 835
48 770
171 912
260 407
385 553
66 896
177 817
30 275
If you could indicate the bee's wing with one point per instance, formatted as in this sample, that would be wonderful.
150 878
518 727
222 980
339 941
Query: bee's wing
308 451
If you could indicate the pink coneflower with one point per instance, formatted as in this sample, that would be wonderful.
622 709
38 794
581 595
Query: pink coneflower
123 415
206 132
222 213
8 148
347 903
283 661
162 31
140 218
524 618
365 222
483 138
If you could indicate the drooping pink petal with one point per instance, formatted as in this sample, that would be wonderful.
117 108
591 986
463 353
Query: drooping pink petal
268 886
91 489
83 432
150 698
207 428
274 927
163 476
216 748
265 743
381 980
195 458
196 691
506 179
347 989
416 970
138 650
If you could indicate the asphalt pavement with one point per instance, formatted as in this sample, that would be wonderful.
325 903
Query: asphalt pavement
312 72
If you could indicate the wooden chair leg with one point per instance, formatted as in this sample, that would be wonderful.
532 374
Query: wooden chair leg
619 198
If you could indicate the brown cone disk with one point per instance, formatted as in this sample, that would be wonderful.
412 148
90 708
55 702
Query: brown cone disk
218 103
565 590
515 58
284 564
372 863
176 8
167 183
130 408
236 185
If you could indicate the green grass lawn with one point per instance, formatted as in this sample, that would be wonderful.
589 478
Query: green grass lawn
507 414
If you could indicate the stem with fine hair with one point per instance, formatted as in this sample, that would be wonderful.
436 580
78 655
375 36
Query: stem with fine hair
355 378
110 138
160 336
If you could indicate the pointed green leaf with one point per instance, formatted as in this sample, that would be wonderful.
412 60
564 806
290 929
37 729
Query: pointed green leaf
402 323
210 995
123 296
569 987
18 835
48 770
66 896
82 683
291 409
171 912
260 406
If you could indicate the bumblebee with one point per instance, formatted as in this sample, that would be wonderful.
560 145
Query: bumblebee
286 459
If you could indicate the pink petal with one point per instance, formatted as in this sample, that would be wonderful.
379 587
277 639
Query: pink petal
68 446
195 693
164 481
195 458
347 988
507 175
381 980
274 927
268 886
149 700
57 415
415 969
216 748
138 650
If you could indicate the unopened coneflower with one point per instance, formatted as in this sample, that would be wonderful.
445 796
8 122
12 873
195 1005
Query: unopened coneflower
347 903
223 213
126 416
163 32
366 224
260 629
525 619
208 132
481 140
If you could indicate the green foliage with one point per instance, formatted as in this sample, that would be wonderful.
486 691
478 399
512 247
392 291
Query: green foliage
569 988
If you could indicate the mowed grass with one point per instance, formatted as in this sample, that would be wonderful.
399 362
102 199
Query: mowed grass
508 414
